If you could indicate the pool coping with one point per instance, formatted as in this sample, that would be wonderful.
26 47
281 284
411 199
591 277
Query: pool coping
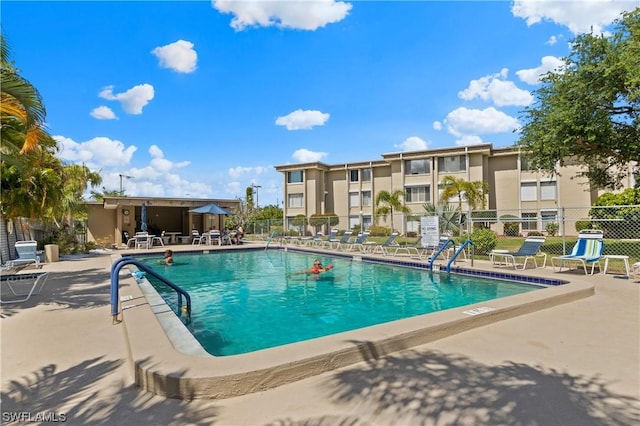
163 369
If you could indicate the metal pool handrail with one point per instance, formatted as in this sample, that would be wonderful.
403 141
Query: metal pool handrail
442 248
457 253
115 285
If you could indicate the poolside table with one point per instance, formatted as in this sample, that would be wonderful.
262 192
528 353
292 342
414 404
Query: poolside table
173 236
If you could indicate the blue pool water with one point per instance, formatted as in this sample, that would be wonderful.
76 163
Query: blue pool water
243 301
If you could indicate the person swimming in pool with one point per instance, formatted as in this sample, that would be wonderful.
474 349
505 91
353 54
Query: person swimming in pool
315 269
168 257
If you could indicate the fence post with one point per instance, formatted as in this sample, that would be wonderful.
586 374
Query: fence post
564 233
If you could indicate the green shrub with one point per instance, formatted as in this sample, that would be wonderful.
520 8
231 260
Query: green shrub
511 225
379 231
583 224
552 228
412 234
484 240
534 234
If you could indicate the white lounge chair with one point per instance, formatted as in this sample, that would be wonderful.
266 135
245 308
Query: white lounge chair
530 249
21 286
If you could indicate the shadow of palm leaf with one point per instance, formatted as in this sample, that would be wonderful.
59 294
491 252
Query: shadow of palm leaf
453 389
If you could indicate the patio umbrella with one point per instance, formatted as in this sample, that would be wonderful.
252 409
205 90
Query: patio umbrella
143 217
211 208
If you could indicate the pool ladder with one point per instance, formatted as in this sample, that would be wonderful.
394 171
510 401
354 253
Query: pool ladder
457 252
115 286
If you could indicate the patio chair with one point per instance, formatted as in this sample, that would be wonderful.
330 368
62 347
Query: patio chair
309 241
374 247
159 239
530 249
587 250
330 239
358 243
27 253
410 248
342 241
21 286
443 244
196 238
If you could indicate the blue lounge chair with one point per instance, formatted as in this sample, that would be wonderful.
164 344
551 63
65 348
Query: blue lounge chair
342 241
330 238
373 247
358 243
587 250
530 249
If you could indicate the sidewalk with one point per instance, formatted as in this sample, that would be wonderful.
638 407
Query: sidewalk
575 364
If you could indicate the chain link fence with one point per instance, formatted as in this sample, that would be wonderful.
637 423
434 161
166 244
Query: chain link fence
489 229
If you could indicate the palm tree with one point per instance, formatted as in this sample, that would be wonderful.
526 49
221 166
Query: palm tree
22 112
448 216
390 202
474 193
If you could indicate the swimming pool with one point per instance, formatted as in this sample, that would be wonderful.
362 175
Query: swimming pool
244 301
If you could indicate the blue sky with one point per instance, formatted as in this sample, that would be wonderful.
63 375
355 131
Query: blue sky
203 99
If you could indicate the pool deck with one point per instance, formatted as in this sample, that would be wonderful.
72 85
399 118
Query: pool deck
573 364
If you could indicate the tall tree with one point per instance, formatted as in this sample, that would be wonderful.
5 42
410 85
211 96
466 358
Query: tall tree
589 112
389 202
22 112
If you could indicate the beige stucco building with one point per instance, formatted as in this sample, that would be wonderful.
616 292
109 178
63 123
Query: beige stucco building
349 189
109 219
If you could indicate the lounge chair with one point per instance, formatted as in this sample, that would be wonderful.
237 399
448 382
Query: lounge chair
410 248
21 286
373 247
196 238
310 241
342 241
27 253
329 240
530 249
358 243
587 250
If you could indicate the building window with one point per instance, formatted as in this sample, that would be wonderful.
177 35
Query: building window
354 199
295 201
417 194
457 163
416 167
353 175
366 198
366 175
548 217
296 176
528 191
548 190
525 165
529 221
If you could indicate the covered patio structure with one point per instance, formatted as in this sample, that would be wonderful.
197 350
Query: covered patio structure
109 220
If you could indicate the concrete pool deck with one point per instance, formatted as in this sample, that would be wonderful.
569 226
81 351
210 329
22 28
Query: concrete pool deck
576 363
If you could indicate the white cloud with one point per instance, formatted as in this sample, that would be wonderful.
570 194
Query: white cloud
578 16
237 172
469 140
303 15
305 156
463 121
553 40
103 113
497 90
133 100
437 125
178 56
302 120
412 143
161 164
97 153
548 64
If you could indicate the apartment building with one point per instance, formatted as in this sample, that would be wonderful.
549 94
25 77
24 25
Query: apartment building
349 190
